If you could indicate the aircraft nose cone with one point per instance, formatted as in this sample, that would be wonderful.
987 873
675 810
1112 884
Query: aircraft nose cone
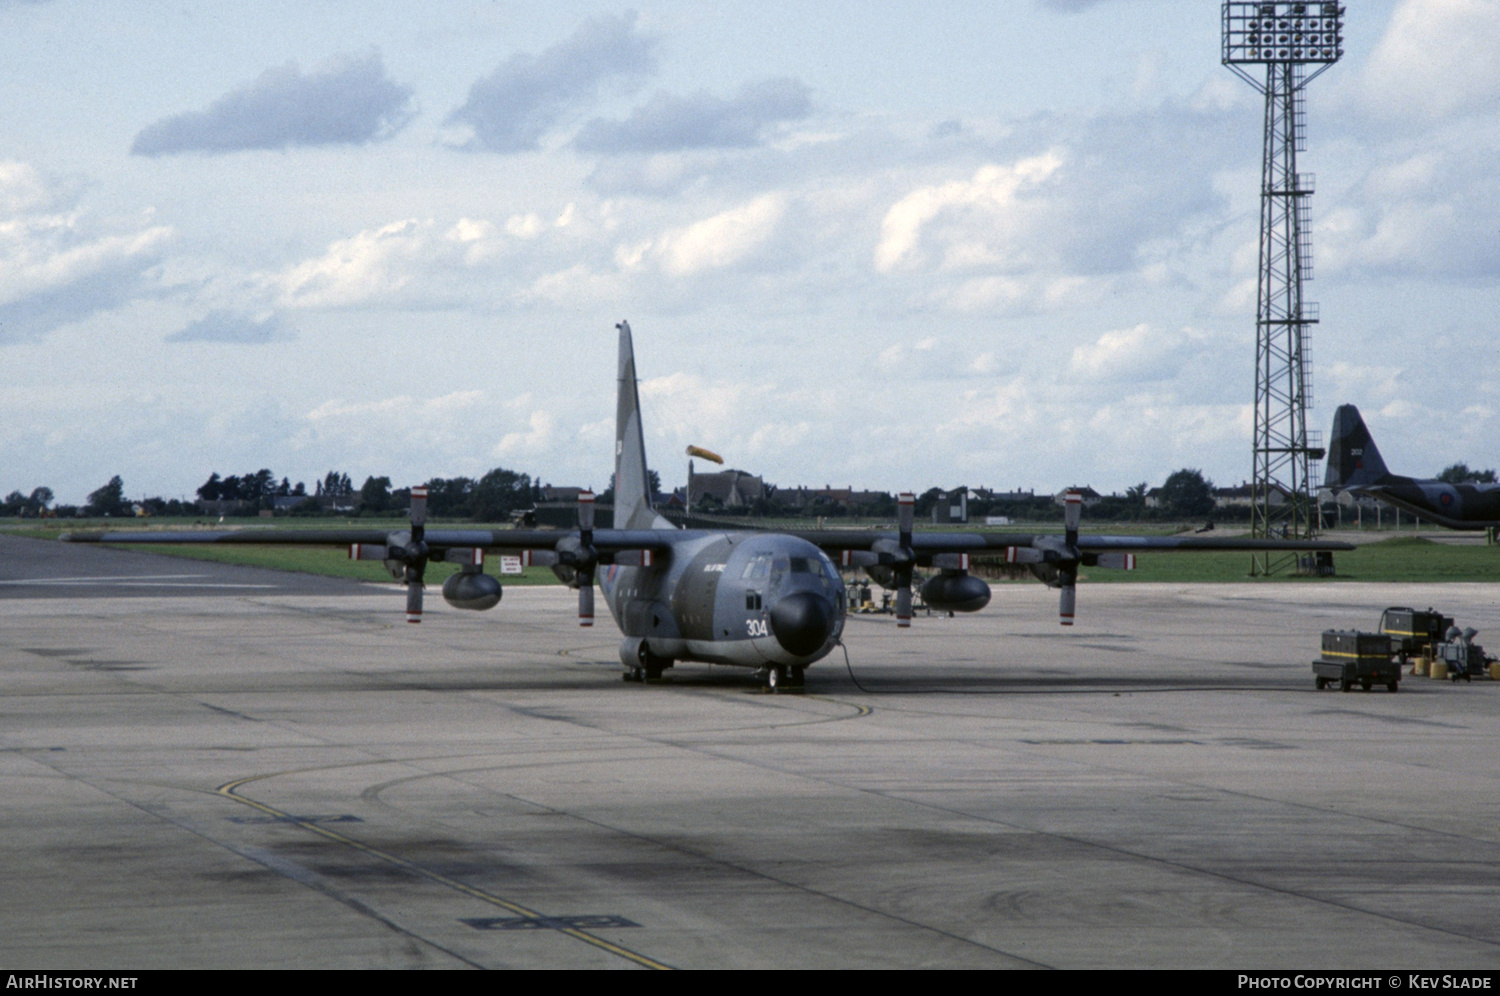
802 622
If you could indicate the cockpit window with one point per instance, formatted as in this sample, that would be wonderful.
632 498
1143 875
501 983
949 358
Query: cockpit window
804 565
757 568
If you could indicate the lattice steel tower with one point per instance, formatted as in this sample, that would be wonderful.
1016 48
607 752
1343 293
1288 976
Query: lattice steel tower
1286 38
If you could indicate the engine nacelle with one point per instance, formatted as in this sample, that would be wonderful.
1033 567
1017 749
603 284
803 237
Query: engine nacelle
881 575
1046 574
956 591
471 591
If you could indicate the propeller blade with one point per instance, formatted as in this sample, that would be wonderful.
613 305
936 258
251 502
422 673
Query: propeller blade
586 516
906 503
906 510
418 512
413 599
586 601
1072 514
1069 598
1117 561
585 576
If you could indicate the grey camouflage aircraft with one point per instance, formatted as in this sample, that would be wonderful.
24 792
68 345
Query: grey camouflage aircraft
772 601
1354 465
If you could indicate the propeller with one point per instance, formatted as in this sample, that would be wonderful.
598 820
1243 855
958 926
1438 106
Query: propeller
1067 567
585 565
889 562
405 554
1056 561
415 554
905 558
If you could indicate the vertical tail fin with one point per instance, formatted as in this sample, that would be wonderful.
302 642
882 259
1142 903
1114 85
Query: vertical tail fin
632 483
1353 459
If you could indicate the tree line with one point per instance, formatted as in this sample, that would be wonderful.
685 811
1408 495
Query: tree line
1186 494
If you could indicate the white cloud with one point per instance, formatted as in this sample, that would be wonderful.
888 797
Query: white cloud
984 217
538 437
61 266
1430 212
372 264
22 189
1139 353
722 240
1437 58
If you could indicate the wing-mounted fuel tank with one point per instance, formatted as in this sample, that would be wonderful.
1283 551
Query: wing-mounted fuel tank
956 591
471 591
470 588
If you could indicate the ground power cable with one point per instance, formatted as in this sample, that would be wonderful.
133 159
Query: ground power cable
850 669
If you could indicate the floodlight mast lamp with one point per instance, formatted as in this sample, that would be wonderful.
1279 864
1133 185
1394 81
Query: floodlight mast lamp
1285 38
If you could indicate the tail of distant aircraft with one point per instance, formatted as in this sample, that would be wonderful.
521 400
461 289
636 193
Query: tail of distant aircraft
1353 459
632 482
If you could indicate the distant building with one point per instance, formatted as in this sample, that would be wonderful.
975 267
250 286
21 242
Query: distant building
550 493
951 507
989 495
1240 495
730 488
803 498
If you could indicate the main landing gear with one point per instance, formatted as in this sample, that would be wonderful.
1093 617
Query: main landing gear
649 671
781 677
645 666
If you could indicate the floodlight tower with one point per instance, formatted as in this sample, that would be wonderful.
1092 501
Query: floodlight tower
1286 38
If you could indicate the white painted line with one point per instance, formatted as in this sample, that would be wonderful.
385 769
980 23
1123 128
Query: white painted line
106 583
114 577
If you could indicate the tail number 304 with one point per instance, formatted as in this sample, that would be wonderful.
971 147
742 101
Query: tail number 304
756 627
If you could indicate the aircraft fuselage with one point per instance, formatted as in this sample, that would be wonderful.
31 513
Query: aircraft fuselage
750 599
1455 506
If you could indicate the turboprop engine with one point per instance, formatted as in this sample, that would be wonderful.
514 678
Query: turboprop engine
956 591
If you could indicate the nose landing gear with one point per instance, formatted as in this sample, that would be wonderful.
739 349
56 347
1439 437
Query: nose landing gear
783 677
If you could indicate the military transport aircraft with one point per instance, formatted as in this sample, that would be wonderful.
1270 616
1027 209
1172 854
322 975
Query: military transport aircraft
1354 465
773 601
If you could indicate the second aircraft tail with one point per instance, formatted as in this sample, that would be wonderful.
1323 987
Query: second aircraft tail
1353 459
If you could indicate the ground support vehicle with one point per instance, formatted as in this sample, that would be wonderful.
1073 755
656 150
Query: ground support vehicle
1350 656
1413 632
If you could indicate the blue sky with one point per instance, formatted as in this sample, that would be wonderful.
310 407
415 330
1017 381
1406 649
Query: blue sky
1008 245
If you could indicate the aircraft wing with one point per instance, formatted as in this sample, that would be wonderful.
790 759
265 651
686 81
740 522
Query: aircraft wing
1054 557
837 541
489 540
407 552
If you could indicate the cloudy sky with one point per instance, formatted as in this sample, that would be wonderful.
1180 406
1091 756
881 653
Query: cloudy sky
891 245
